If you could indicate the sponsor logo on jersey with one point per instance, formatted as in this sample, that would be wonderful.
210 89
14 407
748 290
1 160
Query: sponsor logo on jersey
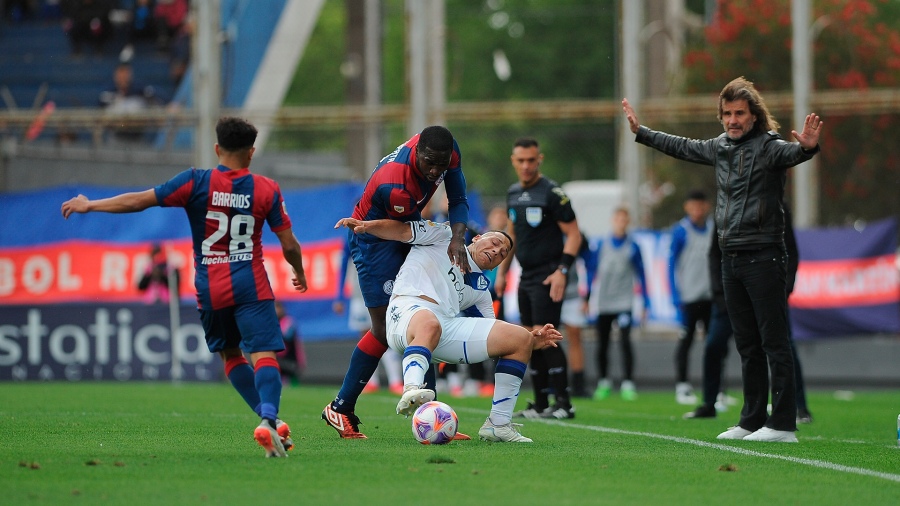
534 215
512 215
240 257
524 197
399 209
284 207
231 200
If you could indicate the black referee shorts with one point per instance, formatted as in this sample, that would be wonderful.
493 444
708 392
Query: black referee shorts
535 305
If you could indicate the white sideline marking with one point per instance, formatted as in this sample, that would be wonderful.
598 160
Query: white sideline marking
742 451
797 460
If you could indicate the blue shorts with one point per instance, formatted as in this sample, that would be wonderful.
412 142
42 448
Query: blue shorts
252 326
377 262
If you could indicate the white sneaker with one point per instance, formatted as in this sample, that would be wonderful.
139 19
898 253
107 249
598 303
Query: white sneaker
772 436
684 394
502 433
736 432
413 397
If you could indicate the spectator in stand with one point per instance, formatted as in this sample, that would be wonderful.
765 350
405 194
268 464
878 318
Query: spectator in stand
169 16
292 359
180 51
87 21
155 281
127 97
141 26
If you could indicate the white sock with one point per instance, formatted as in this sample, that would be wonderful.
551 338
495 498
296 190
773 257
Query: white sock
506 391
414 367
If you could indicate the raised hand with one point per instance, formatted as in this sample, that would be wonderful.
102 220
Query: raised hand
630 116
809 137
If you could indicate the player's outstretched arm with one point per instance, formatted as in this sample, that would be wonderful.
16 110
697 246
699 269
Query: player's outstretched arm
546 336
390 230
131 202
290 248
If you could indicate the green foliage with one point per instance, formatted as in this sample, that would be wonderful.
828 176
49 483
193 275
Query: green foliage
557 49
155 443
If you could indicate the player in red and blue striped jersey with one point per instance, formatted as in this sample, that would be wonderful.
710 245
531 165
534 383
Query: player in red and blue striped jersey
399 188
227 207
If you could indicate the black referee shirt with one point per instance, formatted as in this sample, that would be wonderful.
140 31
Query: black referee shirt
534 213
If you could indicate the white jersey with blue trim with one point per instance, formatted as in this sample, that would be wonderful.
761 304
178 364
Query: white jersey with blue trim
428 272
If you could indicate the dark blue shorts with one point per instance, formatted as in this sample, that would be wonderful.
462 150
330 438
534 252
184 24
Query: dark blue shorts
377 263
252 326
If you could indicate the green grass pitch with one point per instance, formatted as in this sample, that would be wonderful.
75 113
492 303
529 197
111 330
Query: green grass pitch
151 443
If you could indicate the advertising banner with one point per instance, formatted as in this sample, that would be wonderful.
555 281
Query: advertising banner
121 342
847 282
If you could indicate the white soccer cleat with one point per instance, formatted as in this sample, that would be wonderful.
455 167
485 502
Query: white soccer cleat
772 436
502 433
413 397
736 432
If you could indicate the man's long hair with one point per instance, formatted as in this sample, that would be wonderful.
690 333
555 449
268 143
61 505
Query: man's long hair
742 89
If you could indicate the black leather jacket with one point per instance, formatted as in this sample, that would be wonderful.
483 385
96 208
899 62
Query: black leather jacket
750 177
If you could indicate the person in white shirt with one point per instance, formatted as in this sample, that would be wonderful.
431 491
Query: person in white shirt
437 313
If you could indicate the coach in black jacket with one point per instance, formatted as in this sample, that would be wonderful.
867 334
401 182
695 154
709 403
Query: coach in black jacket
750 160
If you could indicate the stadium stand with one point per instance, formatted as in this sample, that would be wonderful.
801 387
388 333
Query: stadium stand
37 66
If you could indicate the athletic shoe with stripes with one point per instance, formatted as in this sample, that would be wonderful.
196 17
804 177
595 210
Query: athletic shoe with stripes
347 425
268 438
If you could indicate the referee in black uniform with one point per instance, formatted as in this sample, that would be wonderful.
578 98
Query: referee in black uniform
545 232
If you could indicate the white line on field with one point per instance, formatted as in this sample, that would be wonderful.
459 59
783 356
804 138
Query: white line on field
797 460
742 451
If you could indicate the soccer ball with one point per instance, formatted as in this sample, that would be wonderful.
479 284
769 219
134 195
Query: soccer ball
434 423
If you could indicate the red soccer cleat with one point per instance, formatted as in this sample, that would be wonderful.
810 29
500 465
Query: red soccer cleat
284 432
346 425
268 438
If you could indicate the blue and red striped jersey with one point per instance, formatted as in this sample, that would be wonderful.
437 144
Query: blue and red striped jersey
226 210
397 190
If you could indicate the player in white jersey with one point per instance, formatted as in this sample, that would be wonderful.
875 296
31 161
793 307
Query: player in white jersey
424 321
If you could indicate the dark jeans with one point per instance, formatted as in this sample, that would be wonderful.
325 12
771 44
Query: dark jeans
692 314
714 353
754 282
